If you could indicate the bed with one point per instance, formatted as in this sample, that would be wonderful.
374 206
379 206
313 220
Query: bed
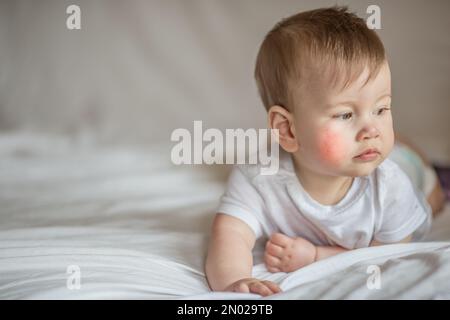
82 221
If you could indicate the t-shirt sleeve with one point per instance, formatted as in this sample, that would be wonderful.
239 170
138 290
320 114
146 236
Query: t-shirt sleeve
242 200
405 210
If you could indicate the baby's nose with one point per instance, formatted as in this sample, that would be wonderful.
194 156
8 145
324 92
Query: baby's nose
368 132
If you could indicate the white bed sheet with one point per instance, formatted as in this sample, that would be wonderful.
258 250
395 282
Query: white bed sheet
137 227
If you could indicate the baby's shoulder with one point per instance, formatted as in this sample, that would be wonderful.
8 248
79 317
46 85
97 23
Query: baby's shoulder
390 179
389 171
249 171
283 167
386 168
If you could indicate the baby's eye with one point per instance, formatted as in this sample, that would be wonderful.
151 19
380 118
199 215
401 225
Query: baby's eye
382 110
344 116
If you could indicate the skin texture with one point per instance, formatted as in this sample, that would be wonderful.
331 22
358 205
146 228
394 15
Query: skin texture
253 285
331 147
281 253
329 127
327 145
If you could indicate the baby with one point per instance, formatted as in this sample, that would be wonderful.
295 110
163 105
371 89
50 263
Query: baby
324 79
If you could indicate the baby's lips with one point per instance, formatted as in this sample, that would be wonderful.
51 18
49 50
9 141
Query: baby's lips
371 150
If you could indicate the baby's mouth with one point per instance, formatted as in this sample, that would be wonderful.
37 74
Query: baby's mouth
368 155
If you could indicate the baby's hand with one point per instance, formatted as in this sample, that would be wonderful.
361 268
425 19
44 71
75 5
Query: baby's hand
253 285
288 254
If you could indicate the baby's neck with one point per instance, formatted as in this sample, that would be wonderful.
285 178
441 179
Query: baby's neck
325 189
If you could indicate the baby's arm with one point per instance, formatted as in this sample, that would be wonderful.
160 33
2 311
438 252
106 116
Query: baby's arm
325 252
288 254
229 262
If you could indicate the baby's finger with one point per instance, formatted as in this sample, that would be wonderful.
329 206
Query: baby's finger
259 288
273 269
271 261
272 286
274 250
280 239
242 287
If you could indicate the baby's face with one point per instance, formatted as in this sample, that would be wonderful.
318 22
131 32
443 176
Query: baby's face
334 127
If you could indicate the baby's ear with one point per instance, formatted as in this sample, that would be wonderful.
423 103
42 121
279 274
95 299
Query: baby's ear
281 119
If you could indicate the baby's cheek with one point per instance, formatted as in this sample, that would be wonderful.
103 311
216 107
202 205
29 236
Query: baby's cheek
332 149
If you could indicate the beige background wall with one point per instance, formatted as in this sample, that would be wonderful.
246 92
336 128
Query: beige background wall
139 69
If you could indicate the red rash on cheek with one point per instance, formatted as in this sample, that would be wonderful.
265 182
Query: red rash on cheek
331 147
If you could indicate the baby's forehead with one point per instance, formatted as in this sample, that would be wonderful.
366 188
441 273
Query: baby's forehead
330 84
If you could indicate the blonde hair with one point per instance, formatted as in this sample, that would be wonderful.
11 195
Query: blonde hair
329 41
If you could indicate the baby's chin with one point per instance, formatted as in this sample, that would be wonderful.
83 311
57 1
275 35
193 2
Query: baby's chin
361 169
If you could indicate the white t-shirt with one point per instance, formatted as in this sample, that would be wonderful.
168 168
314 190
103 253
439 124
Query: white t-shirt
382 206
